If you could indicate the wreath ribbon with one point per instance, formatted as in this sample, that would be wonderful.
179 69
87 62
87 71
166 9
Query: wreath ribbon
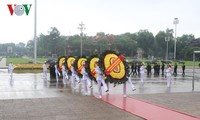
80 69
93 72
114 64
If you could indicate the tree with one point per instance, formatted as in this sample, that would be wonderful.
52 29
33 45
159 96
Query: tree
20 49
184 47
189 53
53 40
30 47
42 45
145 41
52 43
126 44
73 45
161 43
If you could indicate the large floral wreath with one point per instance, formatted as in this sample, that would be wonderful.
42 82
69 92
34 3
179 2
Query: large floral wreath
69 61
114 67
90 67
78 65
60 62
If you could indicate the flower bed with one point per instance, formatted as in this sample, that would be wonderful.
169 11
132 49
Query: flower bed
28 66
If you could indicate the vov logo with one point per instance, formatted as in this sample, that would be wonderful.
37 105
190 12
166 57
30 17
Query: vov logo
19 9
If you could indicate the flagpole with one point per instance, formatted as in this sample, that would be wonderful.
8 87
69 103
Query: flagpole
35 33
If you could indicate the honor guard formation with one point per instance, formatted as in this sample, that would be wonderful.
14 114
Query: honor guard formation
107 68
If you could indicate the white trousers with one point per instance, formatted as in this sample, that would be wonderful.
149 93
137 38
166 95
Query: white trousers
74 78
65 77
11 74
57 75
130 83
101 81
168 81
142 77
89 82
45 74
85 85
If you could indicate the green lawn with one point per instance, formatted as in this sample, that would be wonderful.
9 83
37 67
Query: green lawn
23 60
190 63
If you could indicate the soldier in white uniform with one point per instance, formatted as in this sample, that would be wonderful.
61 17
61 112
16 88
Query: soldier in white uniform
142 73
100 80
168 74
44 70
85 79
64 74
57 72
10 70
74 77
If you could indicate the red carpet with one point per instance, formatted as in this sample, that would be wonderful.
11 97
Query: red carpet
146 110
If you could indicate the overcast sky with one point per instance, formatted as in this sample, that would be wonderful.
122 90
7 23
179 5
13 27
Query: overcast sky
109 16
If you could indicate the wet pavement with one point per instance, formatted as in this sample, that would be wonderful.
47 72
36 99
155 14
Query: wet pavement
184 102
69 107
32 85
28 97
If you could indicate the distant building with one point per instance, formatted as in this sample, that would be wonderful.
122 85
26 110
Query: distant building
195 42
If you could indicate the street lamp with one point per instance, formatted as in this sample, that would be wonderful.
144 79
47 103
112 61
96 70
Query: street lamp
194 52
175 22
167 39
81 28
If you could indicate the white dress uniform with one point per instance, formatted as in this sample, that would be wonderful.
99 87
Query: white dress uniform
86 80
64 73
74 77
100 79
44 71
142 73
168 74
131 84
57 72
10 70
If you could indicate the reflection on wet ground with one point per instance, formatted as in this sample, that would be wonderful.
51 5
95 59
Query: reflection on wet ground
32 85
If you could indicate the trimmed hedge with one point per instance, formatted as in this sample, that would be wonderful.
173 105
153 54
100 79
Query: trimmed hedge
28 67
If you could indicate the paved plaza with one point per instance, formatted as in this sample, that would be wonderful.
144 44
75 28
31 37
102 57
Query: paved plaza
28 97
